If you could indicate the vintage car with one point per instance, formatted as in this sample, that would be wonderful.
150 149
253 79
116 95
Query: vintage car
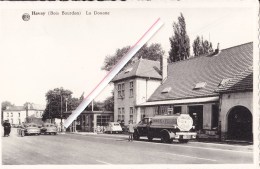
31 129
113 127
49 128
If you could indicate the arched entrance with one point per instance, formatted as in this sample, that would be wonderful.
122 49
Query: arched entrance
240 124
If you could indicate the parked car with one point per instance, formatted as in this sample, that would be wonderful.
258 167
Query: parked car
31 129
113 127
49 128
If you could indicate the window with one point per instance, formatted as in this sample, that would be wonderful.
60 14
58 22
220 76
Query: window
103 120
131 89
19 114
224 81
200 85
7 114
123 114
119 114
121 90
11 114
177 109
163 109
131 114
166 90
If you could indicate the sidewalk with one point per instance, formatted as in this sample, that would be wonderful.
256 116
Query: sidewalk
246 145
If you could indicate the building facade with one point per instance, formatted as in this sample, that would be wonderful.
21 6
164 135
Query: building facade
89 121
19 114
133 86
236 107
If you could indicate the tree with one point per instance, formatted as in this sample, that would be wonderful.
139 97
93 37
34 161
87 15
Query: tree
152 52
180 42
97 106
201 47
109 103
56 100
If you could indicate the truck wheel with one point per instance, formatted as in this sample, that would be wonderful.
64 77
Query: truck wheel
165 138
183 141
136 136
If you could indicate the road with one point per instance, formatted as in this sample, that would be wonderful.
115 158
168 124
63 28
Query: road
115 149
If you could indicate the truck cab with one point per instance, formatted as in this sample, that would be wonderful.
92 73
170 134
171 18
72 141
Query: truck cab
142 127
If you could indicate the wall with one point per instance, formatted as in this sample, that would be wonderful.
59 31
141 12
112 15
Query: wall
15 116
125 102
143 89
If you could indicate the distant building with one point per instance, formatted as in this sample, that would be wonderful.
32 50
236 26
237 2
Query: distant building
19 114
133 86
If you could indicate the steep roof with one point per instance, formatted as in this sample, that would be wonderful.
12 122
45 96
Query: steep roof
37 106
241 82
141 68
204 72
15 108
32 106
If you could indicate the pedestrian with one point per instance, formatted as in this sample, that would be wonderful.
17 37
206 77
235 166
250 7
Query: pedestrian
7 128
131 130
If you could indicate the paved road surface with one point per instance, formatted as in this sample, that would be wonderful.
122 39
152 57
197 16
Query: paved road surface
108 149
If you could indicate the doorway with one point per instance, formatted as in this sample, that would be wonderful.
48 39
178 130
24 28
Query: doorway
240 124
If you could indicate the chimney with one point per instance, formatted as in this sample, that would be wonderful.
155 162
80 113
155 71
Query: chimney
163 67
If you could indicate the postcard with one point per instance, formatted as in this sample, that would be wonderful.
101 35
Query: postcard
138 84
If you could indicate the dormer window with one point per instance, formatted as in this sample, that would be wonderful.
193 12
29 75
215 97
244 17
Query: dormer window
128 70
200 85
166 90
224 81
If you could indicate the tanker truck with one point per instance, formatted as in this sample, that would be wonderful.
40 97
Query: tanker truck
168 128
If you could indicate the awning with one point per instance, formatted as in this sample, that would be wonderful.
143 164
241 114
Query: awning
181 101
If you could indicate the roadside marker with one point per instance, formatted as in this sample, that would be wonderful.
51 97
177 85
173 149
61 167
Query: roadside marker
122 62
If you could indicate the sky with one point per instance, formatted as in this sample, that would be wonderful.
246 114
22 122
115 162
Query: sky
68 51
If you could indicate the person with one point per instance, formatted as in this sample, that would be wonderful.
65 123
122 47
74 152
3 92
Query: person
7 128
131 130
